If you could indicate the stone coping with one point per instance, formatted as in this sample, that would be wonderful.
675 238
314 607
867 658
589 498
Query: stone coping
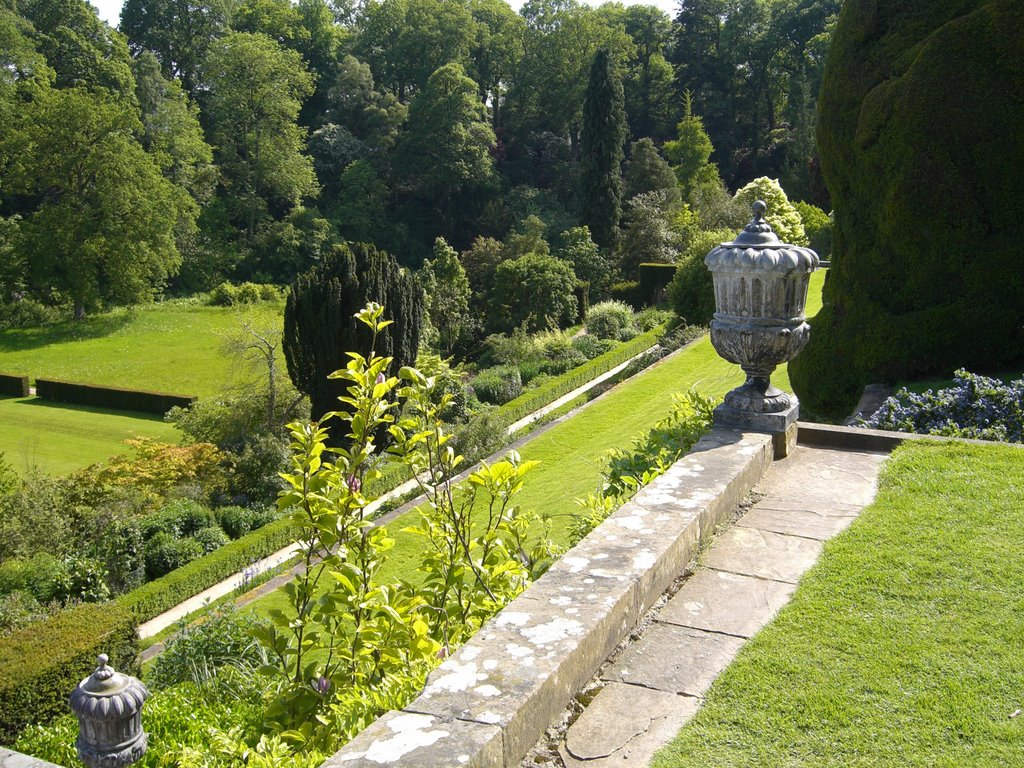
489 703
11 759
862 439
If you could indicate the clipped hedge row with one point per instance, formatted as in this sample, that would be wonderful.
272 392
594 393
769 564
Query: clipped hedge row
161 594
654 279
554 388
110 397
42 663
13 385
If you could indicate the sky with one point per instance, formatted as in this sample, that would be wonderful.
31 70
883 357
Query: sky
110 10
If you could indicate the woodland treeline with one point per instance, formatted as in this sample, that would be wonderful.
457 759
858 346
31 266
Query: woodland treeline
242 139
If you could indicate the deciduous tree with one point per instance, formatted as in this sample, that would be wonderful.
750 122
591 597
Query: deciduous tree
101 221
255 93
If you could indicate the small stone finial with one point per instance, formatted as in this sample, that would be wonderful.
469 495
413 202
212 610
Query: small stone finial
759 207
108 705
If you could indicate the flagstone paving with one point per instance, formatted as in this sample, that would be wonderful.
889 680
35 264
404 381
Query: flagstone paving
653 686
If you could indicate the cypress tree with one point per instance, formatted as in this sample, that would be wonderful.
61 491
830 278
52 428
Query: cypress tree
601 141
320 327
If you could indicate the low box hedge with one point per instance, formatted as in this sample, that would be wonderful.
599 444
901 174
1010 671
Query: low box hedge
179 585
42 663
110 397
13 385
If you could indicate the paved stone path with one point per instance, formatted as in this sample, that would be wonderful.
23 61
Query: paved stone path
748 573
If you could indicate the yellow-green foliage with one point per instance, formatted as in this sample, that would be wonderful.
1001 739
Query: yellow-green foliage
781 215
921 116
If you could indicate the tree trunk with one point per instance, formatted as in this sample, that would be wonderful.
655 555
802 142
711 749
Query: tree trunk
79 310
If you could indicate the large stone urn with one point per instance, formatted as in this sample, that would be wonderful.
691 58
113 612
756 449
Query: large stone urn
759 322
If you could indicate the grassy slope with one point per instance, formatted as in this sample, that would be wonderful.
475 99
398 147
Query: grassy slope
56 438
572 454
172 347
902 646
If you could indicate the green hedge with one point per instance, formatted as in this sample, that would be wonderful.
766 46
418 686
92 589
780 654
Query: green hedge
164 593
42 663
13 385
654 279
553 389
110 397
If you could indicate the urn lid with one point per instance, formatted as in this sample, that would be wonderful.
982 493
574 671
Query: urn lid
758 249
107 694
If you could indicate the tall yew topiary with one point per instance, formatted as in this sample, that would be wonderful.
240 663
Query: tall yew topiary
601 141
320 325
921 133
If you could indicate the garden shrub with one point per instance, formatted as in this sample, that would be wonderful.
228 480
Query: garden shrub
165 552
227 294
781 216
211 538
84 579
926 274
563 361
17 609
509 349
223 295
42 662
248 293
559 354
975 406
818 226
255 475
238 521
38 575
652 317
529 370
180 517
156 468
28 313
498 385
591 346
611 320
197 651
691 294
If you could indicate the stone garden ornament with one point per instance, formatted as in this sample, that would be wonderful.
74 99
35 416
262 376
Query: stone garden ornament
760 323
109 709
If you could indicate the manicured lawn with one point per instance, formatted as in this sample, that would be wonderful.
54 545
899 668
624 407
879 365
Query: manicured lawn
173 347
56 438
572 454
903 646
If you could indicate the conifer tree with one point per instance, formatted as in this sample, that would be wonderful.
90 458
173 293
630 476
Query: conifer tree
601 141
320 325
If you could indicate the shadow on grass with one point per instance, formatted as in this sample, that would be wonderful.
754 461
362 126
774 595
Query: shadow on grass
41 403
24 339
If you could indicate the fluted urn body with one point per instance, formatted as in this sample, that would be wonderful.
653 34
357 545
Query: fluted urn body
759 322
109 709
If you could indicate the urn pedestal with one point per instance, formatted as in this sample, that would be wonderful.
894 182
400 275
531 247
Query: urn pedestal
760 323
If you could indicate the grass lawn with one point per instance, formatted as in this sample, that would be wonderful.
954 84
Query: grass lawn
56 438
171 347
903 646
572 454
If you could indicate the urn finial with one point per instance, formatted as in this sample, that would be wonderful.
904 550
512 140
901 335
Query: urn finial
108 705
